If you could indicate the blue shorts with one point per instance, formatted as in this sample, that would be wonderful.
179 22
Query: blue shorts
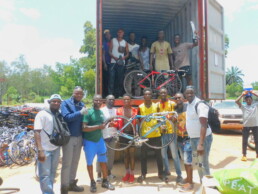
185 151
92 149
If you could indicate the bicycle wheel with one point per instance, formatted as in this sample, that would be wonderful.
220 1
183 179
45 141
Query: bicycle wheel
120 132
14 153
158 130
132 83
173 86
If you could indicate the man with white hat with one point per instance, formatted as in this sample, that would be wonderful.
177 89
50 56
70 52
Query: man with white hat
48 154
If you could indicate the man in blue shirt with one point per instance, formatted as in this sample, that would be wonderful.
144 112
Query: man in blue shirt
72 110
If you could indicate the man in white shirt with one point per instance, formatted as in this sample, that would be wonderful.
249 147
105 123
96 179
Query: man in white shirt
198 130
48 154
118 51
108 111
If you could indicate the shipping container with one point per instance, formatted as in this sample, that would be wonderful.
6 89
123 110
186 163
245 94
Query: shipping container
147 17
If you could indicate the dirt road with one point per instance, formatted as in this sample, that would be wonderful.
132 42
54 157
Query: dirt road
225 153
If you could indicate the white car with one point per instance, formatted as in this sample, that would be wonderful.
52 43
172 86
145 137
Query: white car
230 115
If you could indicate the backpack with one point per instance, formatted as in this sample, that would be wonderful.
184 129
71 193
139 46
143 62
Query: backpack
60 135
213 117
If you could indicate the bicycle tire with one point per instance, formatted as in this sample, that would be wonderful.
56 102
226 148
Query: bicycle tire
131 85
14 153
149 143
120 142
172 86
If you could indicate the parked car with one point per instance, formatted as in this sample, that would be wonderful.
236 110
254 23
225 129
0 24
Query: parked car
230 115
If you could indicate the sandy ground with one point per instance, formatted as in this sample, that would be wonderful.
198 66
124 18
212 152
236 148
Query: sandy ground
225 153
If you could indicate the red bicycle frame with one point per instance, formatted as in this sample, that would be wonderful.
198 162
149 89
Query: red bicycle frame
152 73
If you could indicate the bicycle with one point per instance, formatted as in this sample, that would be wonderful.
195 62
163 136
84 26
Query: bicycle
136 80
155 124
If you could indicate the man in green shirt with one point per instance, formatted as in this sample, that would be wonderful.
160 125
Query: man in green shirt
93 142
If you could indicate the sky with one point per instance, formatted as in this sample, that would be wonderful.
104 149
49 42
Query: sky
51 31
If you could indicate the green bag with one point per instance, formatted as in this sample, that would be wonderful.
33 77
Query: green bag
238 181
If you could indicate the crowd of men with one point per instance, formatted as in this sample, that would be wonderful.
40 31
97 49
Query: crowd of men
117 53
89 130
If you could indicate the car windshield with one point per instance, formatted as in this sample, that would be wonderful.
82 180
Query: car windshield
225 105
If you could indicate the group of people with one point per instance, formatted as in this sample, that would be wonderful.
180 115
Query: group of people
88 128
117 53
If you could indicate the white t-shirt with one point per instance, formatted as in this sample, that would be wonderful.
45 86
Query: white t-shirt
44 120
250 115
193 125
108 113
134 50
115 51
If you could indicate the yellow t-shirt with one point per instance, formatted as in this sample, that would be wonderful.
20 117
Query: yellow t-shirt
147 125
165 107
161 51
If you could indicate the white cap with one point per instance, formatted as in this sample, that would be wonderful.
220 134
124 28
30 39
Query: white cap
55 96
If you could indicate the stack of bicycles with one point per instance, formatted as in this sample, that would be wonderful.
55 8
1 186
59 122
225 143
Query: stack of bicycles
17 146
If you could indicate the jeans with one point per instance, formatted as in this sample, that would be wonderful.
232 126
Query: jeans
70 160
174 152
153 141
116 79
185 151
245 134
47 171
202 161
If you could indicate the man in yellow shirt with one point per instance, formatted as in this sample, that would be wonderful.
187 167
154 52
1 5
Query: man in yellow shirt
162 51
154 138
166 105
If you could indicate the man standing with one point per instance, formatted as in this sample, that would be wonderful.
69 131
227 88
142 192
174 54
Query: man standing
162 51
181 56
108 111
119 52
133 47
198 130
147 108
48 154
183 142
72 110
250 120
106 60
94 144
166 105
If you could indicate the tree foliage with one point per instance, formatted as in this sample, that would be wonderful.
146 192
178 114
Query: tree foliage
226 45
234 75
22 83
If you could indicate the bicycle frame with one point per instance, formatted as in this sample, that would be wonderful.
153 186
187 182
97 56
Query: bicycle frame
150 74
157 73
139 117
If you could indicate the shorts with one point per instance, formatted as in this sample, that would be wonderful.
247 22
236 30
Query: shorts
188 70
185 151
92 149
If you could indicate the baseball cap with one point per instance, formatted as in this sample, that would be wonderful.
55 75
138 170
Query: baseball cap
55 96
106 31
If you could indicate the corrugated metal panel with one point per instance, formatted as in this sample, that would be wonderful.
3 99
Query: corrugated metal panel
216 58
144 17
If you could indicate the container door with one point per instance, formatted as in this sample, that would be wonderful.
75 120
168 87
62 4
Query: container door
215 49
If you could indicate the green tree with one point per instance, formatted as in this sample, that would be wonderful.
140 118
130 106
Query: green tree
255 85
234 75
226 45
89 41
3 79
234 90
11 95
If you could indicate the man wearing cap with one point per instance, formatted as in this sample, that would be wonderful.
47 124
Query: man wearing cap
72 110
48 154
250 121
106 60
